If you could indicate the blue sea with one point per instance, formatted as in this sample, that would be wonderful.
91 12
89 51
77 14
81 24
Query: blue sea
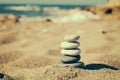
43 9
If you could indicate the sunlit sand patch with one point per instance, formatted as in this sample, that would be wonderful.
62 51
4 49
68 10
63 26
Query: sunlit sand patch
33 62
100 50
53 52
9 38
11 56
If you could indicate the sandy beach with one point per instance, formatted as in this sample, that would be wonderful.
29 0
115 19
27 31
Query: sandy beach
30 47
29 50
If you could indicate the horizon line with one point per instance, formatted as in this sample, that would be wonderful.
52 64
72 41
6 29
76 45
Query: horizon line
55 3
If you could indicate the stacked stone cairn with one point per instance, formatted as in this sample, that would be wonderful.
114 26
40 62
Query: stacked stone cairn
70 52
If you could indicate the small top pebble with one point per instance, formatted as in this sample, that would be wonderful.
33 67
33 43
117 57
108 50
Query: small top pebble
72 37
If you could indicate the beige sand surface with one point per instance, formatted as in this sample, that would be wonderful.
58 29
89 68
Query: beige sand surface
29 50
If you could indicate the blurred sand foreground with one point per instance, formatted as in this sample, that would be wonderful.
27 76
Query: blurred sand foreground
28 50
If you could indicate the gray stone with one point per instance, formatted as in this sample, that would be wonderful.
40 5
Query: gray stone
73 65
71 52
72 37
70 59
72 44
1 75
5 77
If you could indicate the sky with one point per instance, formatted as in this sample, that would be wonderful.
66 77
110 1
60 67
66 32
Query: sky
74 2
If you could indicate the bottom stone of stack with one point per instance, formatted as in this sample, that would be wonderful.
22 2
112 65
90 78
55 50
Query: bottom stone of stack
66 59
73 65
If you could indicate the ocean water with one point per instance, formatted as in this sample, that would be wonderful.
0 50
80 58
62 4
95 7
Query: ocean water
35 9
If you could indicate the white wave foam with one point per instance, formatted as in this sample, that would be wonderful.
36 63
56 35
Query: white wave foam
76 16
24 8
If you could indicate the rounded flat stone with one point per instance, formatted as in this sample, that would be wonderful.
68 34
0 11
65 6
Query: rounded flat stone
72 44
70 59
71 52
5 77
72 37
73 65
